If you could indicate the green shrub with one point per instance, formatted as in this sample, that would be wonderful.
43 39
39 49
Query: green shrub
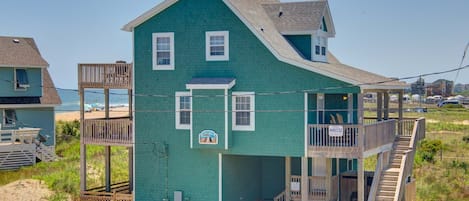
465 139
428 149
67 130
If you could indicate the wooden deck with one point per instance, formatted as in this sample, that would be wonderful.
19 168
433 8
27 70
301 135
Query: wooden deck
119 192
106 76
18 136
354 140
108 131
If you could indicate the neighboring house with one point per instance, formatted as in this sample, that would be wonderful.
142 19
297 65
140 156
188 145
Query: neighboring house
27 101
241 100
440 87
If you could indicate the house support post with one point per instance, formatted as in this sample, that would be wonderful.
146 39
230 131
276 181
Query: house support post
386 105
82 144
287 178
400 110
131 169
328 178
379 106
130 104
360 179
304 179
107 165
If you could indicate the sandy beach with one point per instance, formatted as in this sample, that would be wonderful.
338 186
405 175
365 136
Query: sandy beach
114 112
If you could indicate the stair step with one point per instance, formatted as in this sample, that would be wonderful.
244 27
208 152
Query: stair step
384 198
387 188
386 193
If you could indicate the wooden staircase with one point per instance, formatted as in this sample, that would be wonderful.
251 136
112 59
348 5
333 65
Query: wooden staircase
389 177
45 153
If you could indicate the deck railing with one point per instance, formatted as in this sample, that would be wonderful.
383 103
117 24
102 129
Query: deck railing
379 134
352 139
321 135
22 135
317 188
117 75
107 131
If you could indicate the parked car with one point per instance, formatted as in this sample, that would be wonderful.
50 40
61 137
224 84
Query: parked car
448 102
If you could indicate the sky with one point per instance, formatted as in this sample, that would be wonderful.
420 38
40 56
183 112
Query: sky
394 38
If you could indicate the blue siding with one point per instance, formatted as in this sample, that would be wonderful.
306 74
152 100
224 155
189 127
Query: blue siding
7 87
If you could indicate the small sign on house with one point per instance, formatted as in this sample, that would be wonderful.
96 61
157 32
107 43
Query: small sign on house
208 137
336 130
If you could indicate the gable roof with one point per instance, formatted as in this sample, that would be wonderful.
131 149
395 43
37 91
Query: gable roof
255 17
20 52
297 17
49 92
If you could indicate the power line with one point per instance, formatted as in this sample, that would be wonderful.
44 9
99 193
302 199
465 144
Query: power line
323 89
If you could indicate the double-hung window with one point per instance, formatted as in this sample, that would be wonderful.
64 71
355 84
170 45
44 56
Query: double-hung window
183 110
21 79
217 45
9 118
163 51
243 111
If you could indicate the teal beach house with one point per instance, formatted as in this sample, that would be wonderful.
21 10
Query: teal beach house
27 101
242 100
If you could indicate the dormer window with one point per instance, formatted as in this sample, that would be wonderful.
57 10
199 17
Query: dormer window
320 49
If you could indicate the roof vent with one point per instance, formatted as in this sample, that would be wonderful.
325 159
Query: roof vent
121 62
16 40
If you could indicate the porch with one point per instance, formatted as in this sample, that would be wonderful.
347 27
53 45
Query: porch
355 140
106 76
18 136
114 131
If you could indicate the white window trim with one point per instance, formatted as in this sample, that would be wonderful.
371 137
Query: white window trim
4 123
226 48
178 123
252 125
25 88
171 51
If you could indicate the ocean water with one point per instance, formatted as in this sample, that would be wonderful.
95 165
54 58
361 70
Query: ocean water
93 97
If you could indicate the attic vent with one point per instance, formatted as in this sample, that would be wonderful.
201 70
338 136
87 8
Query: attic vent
16 40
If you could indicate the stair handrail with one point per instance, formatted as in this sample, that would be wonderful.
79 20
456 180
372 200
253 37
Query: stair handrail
376 179
280 197
408 156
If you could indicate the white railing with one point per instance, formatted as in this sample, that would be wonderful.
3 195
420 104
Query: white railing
21 135
320 136
107 131
354 137
280 197
117 75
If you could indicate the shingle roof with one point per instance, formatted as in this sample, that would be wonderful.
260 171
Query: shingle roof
296 16
49 92
257 15
21 52
253 14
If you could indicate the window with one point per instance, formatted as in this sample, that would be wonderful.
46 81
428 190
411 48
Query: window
9 118
163 51
243 111
323 51
21 79
183 110
318 49
217 45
